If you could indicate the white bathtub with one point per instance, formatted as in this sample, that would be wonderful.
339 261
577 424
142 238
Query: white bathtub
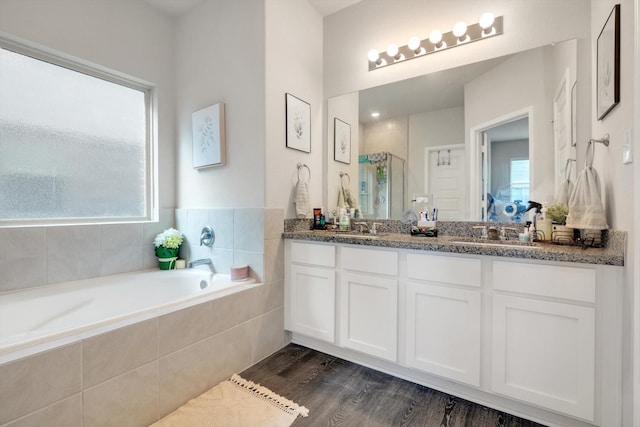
45 316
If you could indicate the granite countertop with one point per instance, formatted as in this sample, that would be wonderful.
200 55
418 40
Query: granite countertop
611 254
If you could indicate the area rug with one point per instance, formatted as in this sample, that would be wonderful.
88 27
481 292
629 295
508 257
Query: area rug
235 403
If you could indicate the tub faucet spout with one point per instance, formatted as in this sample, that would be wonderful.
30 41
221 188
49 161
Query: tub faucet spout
202 261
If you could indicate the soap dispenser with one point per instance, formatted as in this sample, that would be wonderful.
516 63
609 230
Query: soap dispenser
544 223
345 222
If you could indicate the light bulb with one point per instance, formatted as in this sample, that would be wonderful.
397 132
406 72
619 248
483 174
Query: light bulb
392 50
373 55
375 115
435 37
459 30
486 21
414 44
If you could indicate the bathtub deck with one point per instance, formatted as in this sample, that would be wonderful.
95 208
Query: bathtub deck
338 392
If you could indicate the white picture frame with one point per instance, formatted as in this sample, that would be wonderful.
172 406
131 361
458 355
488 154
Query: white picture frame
298 124
209 139
341 141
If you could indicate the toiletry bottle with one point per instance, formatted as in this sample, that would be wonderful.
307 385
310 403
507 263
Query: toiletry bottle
544 223
345 223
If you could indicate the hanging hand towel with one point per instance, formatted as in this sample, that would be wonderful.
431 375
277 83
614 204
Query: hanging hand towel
303 209
585 205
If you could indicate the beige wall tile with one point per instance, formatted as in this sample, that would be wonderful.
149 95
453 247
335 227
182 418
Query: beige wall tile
34 382
66 413
248 230
273 223
113 353
121 248
273 260
73 253
185 374
130 399
231 352
221 220
268 334
185 327
22 258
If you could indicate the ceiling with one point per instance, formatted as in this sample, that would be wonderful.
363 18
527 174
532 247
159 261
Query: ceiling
178 7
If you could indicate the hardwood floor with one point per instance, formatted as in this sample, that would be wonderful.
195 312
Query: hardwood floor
341 393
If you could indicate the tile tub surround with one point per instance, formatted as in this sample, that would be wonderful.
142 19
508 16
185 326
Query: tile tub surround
38 256
396 235
244 236
139 373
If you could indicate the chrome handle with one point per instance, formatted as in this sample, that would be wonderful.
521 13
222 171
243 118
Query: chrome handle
207 236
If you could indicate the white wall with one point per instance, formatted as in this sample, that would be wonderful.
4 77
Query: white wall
491 96
442 127
293 40
527 24
346 109
220 57
618 179
391 135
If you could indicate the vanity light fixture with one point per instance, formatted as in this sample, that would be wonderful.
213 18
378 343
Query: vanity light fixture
488 26
375 115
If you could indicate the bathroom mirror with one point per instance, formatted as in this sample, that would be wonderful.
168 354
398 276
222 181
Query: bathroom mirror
477 141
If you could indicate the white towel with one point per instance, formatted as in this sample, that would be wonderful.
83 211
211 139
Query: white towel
585 205
303 209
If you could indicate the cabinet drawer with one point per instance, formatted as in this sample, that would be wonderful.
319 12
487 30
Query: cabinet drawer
370 261
309 253
445 269
572 283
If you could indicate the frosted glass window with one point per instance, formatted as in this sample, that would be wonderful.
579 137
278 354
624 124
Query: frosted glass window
72 146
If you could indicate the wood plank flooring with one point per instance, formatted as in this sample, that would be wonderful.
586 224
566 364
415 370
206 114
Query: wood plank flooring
341 393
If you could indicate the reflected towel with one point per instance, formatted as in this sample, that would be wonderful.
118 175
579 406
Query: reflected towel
585 205
303 208
564 192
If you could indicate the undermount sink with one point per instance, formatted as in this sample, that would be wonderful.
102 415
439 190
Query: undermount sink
511 244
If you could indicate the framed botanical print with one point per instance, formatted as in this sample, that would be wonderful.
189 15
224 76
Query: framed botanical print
341 141
298 123
608 62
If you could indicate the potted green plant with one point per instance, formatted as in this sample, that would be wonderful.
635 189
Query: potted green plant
558 214
167 245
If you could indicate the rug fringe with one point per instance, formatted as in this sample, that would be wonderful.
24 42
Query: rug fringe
268 396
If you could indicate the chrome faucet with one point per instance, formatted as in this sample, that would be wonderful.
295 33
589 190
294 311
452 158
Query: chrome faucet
374 230
207 236
362 226
203 261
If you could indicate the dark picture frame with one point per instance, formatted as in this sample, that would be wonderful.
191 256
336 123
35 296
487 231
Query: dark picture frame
341 141
608 64
298 131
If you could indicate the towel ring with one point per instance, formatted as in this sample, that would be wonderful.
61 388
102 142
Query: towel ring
342 175
302 165
567 169
592 144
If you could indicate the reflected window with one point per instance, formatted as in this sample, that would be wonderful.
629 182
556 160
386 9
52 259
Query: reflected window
519 181
74 145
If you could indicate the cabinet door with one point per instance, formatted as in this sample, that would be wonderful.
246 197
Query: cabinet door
544 353
312 302
369 314
443 331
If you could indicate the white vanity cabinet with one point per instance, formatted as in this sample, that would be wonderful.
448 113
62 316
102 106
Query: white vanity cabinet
369 301
544 329
538 338
443 316
310 290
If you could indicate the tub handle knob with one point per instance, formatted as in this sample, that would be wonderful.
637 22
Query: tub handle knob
207 236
